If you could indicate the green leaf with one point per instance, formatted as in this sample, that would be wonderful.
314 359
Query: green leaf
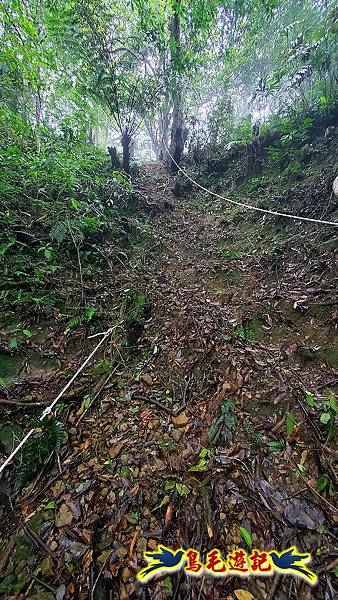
290 423
27 332
201 466
13 343
275 445
182 489
309 399
333 403
322 483
203 453
89 312
170 485
212 431
3 383
246 537
86 401
325 418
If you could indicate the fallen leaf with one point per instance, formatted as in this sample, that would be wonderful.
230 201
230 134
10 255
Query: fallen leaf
126 574
87 561
65 516
58 488
103 557
243 595
115 450
47 567
147 378
132 544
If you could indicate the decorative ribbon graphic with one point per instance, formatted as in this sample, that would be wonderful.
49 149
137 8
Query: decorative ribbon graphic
238 562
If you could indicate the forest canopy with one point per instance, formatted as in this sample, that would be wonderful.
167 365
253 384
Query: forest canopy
149 73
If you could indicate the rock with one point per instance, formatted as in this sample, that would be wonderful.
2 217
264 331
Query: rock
335 187
181 420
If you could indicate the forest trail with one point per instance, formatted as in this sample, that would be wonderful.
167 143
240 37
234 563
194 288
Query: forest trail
189 436
195 432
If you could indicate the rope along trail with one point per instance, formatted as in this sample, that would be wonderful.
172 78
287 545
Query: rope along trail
49 408
248 206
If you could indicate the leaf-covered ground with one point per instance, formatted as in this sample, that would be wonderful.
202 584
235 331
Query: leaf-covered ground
211 410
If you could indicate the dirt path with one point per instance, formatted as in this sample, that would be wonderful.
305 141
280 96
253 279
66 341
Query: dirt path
190 439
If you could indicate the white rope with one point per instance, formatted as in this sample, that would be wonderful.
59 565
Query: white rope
49 408
249 206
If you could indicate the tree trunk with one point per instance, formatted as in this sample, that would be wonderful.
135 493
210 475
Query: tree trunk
91 139
126 141
38 113
163 126
153 138
176 146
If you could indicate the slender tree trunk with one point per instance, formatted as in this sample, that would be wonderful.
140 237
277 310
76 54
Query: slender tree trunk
38 113
163 127
126 141
91 136
176 146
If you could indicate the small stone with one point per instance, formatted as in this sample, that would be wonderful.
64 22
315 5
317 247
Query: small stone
181 420
222 516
